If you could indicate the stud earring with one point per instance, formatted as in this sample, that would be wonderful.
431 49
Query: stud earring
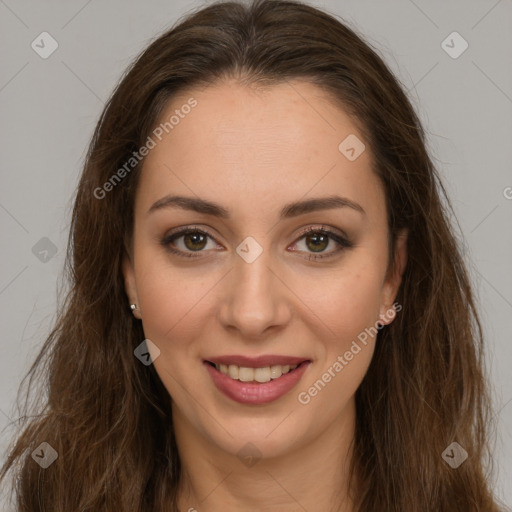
133 307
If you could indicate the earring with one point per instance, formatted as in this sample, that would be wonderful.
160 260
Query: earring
135 311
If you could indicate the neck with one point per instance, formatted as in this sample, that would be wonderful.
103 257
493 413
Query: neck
312 476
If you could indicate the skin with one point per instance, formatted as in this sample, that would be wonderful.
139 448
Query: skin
252 151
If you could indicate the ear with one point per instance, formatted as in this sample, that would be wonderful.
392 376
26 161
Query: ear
129 283
394 279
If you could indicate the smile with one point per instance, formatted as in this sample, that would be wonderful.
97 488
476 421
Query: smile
255 385
263 374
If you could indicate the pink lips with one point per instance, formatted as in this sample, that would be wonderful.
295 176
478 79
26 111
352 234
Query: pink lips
255 393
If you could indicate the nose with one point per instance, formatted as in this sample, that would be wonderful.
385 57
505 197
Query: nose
255 298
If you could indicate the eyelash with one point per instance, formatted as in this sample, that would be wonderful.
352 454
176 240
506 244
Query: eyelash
343 242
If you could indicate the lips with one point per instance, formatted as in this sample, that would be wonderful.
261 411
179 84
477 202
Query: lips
256 380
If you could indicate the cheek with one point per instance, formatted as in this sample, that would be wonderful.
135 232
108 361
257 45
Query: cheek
331 390
171 299
347 302
350 308
175 310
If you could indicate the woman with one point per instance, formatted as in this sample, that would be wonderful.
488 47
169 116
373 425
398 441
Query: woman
268 306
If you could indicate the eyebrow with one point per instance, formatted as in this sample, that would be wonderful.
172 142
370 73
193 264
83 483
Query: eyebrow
290 210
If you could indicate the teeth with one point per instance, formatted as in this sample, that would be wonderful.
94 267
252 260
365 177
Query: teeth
244 374
262 374
233 371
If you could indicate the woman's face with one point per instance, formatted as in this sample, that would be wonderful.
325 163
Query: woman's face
251 287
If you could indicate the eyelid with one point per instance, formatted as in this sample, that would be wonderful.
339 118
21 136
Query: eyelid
319 228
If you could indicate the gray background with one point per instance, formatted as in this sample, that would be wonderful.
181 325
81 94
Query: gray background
48 108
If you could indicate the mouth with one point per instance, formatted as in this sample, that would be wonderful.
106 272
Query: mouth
256 381
260 374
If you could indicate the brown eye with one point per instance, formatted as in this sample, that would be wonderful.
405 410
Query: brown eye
317 240
194 241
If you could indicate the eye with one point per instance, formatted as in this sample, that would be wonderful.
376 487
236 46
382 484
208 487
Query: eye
318 239
194 240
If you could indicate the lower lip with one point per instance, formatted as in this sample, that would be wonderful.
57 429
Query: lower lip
254 392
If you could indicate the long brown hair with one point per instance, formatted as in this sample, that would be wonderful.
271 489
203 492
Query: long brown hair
108 416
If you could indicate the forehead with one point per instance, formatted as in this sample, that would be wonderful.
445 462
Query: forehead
257 145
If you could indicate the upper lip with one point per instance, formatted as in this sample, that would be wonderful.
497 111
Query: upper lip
256 362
